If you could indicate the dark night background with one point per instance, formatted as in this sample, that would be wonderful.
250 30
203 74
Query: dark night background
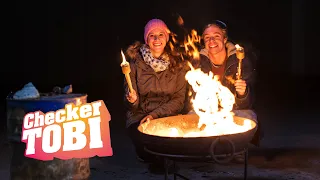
56 43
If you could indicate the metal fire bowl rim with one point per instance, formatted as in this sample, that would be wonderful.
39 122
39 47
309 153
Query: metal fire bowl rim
196 116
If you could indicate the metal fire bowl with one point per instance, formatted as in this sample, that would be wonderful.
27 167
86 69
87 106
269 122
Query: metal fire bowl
194 146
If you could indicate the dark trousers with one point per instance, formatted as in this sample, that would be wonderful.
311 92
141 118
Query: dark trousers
135 136
250 114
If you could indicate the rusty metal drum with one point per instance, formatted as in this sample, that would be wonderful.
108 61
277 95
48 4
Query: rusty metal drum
27 168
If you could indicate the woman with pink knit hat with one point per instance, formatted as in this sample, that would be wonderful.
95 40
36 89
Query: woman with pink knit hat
158 80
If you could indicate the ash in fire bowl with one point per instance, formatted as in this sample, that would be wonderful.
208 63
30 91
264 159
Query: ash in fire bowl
186 126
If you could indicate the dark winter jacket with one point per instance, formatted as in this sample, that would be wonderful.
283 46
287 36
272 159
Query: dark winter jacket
160 94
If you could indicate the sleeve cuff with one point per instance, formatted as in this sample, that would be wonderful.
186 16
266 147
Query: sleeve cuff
154 115
243 96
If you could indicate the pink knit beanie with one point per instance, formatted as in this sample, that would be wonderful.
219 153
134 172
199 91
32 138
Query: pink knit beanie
153 24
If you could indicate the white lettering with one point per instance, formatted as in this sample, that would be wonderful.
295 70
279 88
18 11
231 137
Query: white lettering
38 119
60 119
96 108
85 111
69 135
56 139
26 121
95 132
30 135
49 118
71 112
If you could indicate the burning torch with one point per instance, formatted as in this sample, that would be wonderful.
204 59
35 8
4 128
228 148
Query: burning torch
126 71
240 55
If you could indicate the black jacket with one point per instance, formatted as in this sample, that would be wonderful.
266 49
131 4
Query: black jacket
160 94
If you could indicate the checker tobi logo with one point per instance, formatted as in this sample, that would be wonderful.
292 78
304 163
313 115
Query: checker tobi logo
77 131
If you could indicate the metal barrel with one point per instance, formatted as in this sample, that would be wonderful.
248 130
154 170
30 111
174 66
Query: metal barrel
28 168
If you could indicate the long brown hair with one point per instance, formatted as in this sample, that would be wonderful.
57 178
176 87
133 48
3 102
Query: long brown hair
175 59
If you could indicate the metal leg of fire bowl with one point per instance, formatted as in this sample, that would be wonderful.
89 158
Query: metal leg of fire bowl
166 169
180 176
175 174
245 164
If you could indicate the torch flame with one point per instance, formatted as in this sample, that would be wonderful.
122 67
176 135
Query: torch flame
124 62
125 66
238 46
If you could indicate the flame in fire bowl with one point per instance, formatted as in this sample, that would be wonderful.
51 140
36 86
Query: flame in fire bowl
167 135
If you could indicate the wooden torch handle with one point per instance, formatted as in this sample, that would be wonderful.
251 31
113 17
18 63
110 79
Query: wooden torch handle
128 79
239 69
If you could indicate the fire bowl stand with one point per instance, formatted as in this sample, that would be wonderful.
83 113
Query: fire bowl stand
213 158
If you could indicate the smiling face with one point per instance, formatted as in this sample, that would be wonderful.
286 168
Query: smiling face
214 40
157 42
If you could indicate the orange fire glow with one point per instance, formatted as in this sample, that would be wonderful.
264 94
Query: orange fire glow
189 44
